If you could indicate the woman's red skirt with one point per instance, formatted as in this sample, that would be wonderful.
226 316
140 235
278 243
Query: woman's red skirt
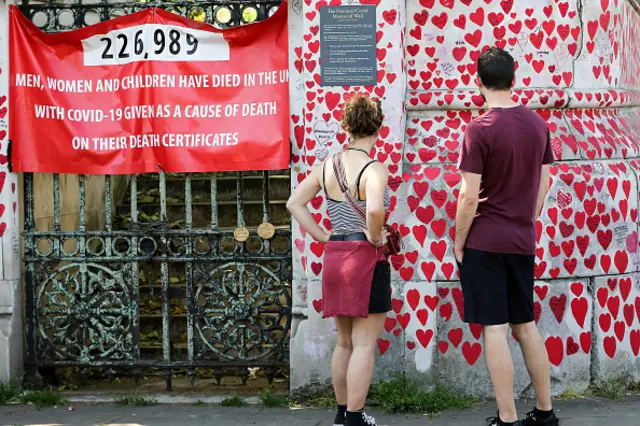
347 277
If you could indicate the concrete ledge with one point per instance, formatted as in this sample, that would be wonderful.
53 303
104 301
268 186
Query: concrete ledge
110 398
6 311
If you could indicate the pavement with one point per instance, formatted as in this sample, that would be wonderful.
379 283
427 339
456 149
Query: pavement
584 412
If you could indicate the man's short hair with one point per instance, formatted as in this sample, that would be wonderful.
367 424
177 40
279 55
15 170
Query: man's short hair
496 69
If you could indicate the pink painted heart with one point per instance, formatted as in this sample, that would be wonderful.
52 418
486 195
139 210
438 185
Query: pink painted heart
632 242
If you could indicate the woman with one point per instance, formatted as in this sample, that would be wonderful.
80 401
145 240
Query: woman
356 282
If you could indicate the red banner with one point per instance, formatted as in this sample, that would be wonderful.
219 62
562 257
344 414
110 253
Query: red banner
147 92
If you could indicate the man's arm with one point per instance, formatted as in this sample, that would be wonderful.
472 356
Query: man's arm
542 190
467 206
473 154
547 159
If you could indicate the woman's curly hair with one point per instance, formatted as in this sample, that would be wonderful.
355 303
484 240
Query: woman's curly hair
362 116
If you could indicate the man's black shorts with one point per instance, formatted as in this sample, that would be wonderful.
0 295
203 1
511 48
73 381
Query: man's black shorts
497 288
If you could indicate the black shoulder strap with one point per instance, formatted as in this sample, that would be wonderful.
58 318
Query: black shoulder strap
324 178
360 176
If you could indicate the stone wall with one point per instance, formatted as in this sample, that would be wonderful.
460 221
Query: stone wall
10 290
578 68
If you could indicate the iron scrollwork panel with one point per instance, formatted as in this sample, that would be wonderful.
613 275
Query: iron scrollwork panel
241 312
85 313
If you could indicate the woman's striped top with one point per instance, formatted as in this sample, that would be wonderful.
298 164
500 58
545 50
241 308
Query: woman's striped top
343 219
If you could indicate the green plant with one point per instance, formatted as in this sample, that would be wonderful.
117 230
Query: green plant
10 392
234 401
401 395
42 399
318 398
613 389
570 395
135 400
271 400
199 403
322 402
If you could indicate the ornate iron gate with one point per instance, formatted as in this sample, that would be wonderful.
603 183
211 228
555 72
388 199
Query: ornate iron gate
159 280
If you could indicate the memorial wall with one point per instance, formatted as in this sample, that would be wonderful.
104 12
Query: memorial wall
578 68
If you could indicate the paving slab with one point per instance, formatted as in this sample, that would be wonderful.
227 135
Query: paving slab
587 412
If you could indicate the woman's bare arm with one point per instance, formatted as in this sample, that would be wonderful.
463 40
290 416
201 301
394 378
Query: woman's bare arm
299 200
377 178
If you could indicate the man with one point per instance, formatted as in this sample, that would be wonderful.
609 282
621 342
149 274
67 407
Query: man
507 152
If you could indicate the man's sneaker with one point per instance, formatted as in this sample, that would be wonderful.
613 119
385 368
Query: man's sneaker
495 421
359 418
532 419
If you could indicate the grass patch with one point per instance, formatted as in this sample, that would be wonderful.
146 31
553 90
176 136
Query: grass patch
321 401
199 403
10 393
42 399
273 400
401 395
234 401
318 398
570 395
613 389
135 400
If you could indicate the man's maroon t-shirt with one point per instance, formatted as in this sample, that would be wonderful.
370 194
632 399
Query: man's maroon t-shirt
508 147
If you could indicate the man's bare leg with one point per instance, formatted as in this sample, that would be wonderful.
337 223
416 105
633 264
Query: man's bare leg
537 361
500 365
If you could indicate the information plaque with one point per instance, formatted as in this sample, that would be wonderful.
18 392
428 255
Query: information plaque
348 46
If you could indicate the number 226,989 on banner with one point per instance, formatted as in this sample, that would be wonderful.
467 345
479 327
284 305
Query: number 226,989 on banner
155 43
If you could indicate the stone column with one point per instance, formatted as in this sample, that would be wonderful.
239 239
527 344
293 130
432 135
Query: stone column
11 329
316 133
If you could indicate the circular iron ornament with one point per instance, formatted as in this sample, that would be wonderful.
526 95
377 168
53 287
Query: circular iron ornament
121 246
223 15
91 17
147 246
43 242
72 242
227 245
176 247
243 311
254 245
198 15
40 19
85 312
249 14
95 246
66 19
202 246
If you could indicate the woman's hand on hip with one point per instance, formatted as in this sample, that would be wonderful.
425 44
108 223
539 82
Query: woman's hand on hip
380 241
